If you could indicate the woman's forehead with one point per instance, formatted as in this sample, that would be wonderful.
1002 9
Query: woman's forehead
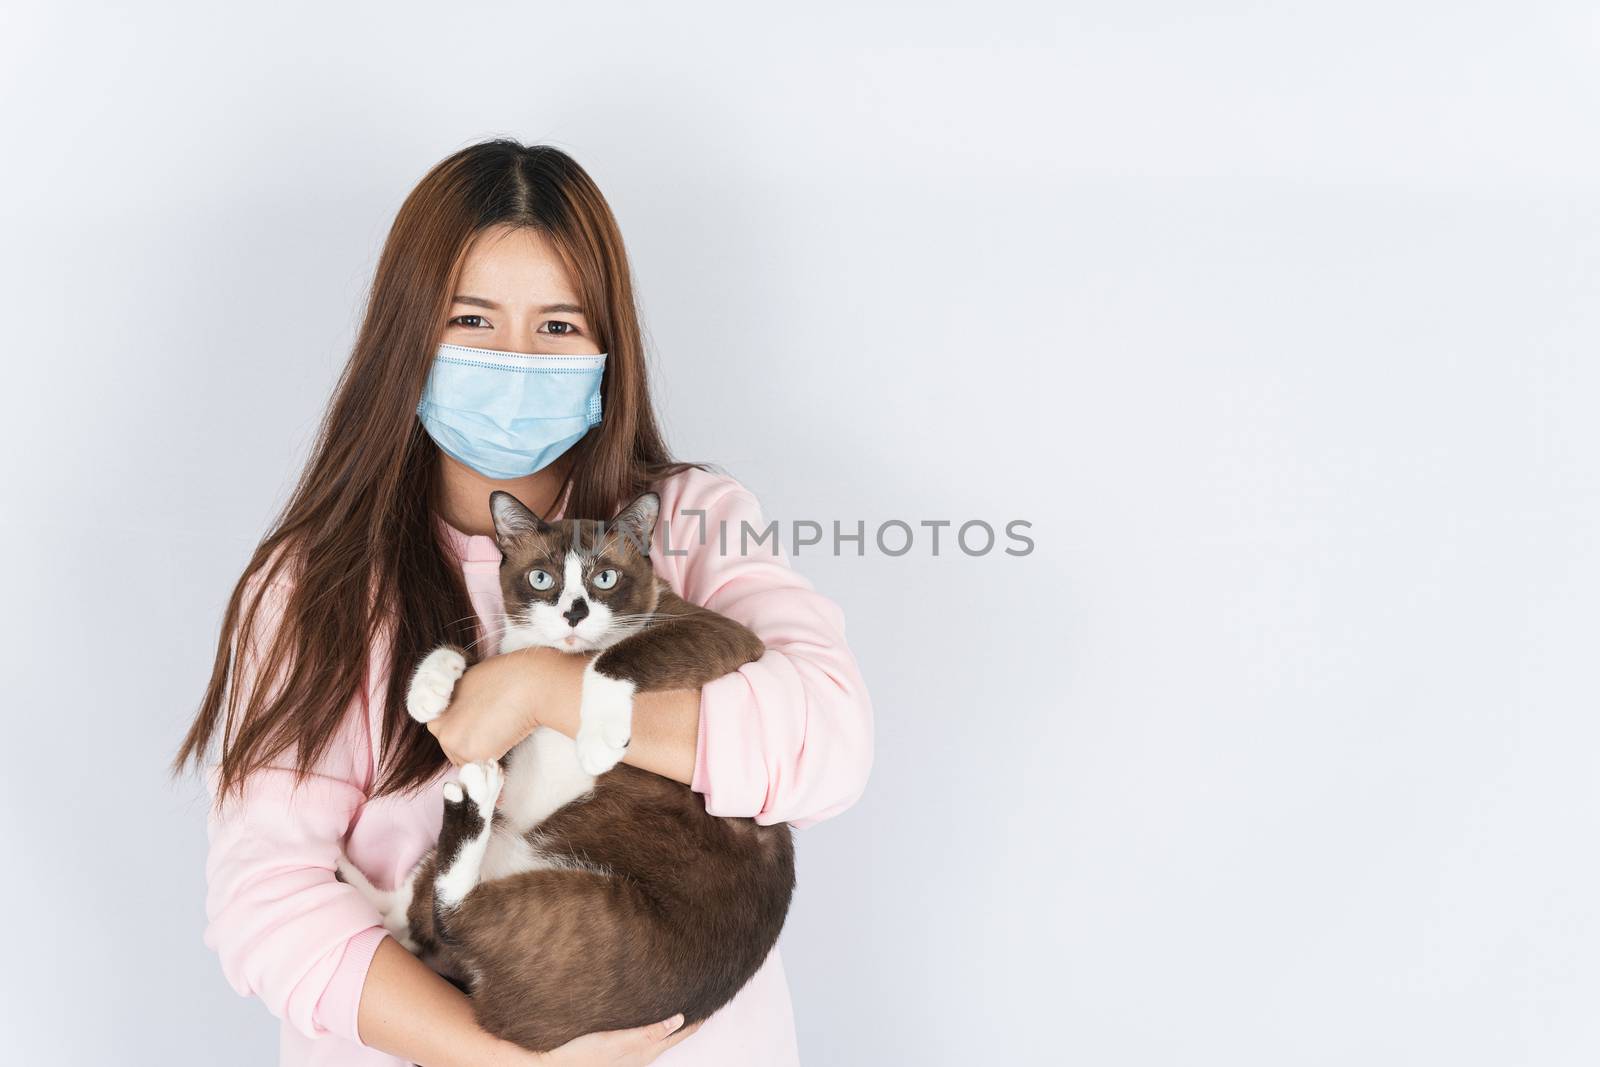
515 264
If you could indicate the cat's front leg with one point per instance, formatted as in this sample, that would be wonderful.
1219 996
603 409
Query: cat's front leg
605 718
433 681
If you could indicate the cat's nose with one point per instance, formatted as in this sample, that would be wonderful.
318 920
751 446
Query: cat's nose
577 613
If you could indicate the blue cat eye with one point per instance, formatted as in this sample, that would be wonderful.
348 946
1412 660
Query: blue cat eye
605 579
540 580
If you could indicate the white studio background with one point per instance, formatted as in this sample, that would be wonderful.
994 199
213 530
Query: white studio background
1279 324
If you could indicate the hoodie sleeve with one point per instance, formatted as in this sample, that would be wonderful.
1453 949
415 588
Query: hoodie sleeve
787 738
284 928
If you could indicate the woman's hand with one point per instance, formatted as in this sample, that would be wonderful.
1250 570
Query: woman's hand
495 703
611 1048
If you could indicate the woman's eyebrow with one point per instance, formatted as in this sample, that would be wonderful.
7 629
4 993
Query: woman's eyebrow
478 301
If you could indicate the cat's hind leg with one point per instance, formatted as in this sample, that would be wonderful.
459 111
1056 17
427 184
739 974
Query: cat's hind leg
349 873
463 838
393 904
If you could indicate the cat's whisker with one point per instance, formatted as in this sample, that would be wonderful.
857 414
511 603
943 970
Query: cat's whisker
634 626
482 640
473 647
641 620
493 615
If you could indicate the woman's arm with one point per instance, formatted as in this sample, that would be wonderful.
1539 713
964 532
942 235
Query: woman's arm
666 725
788 738
285 930
409 1011
499 701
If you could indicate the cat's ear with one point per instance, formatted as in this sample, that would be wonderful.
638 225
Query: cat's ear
637 521
512 519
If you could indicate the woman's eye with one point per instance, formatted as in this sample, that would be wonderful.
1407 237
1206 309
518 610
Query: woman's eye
540 580
566 328
605 579
459 318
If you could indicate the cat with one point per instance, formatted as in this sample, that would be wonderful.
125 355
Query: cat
598 896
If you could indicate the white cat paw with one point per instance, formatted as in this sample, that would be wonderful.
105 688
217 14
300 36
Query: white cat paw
482 781
605 722
393 905
596 755
398 923
433 682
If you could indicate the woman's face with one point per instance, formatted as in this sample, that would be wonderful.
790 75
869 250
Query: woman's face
514 296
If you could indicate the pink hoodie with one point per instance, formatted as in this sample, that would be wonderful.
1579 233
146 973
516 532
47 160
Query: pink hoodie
787 738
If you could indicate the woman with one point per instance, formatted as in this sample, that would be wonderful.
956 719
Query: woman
385 551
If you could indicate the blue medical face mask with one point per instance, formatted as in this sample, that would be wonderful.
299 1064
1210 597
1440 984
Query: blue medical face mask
506 414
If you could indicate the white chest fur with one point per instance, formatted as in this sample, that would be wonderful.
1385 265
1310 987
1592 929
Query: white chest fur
542 775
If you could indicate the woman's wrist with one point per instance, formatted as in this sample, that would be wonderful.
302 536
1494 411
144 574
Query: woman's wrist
553 681
407 1010
666 725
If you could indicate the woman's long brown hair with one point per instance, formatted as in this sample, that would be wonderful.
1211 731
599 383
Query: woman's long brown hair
358 535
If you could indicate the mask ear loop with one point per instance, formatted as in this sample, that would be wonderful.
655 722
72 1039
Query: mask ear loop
582 450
